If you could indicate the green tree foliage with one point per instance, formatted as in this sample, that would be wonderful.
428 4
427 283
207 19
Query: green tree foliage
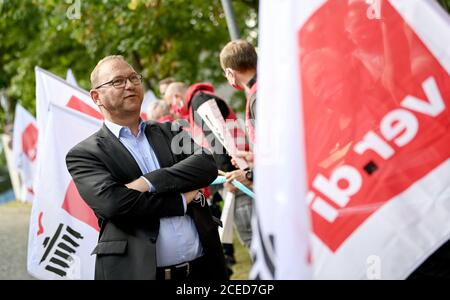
445 4
161 38
179 38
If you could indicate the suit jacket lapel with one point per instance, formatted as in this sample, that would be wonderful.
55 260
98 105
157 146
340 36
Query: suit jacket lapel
160 145
118 154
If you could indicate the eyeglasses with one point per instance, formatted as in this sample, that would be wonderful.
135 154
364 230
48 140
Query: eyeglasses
120 82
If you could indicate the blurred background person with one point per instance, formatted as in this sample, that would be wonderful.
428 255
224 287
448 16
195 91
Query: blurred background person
175 97
163 85
238 60
159 111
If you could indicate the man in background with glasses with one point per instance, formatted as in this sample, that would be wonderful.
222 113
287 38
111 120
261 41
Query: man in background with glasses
153 222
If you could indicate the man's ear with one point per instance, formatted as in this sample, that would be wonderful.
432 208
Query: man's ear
229 71
95 97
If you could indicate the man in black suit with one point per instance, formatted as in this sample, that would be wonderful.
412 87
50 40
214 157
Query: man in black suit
143 189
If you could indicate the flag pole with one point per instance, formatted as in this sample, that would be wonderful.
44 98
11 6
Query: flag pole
231 20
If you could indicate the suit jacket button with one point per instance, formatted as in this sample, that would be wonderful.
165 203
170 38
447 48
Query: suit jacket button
153 239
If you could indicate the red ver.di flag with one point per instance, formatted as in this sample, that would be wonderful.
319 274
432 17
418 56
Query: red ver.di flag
373 83
376 95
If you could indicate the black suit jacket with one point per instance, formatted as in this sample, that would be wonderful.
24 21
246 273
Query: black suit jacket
128 219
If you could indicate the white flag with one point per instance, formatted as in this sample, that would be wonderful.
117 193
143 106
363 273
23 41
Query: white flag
70 78
72 97
25 150
373 82
63 229
227 218
149 97
280 225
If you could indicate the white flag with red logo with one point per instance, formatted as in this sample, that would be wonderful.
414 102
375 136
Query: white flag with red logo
25 150
372 80
63 229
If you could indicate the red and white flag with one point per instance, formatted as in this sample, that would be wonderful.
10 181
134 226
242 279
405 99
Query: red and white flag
25 150
63 229
370 82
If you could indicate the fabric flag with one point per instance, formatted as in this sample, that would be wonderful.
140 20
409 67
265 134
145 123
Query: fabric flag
14 175
149 97
63 229
77 100
227 218
375 90
25 150
280 220
70 78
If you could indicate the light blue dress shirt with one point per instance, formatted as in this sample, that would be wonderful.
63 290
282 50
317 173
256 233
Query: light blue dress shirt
178 239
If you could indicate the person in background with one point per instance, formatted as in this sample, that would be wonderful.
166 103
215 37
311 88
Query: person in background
163 84
238 60
159 111
195 96
175 97
187 101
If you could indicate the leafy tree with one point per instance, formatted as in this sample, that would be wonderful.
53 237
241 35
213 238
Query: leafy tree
445 4
179 38
161 38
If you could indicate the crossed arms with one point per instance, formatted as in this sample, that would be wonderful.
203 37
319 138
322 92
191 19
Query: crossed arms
111 199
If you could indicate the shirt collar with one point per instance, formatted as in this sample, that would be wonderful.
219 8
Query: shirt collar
118 129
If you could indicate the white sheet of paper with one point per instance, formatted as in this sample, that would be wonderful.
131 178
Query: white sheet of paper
211 115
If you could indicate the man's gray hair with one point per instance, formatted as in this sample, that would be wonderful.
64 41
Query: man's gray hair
165 109
176 88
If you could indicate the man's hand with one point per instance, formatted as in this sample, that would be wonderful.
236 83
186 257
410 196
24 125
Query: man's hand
230 187
239 175
247 156
139 185
189 196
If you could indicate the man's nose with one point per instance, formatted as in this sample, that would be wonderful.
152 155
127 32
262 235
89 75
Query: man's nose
129 84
